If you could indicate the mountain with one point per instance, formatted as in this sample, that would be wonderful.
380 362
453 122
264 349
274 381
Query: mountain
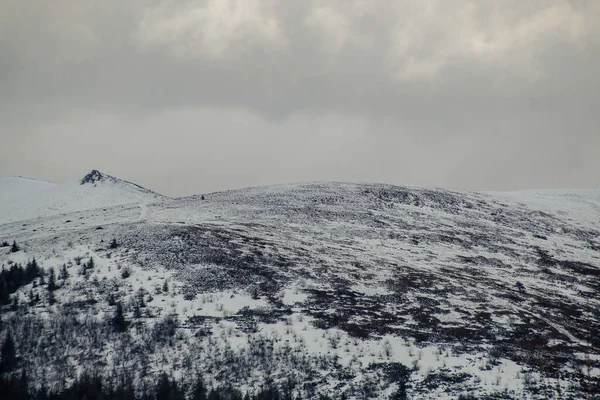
24 199
336 289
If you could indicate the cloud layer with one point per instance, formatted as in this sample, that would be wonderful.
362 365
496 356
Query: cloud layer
189 96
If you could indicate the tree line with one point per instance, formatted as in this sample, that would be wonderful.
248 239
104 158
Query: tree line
15 276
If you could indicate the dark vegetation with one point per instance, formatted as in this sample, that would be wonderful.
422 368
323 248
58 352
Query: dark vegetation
127 380
90 387
244 258
16 276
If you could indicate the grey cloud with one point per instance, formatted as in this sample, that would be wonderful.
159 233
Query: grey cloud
461 94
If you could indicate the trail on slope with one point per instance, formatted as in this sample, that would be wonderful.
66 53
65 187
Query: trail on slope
143 211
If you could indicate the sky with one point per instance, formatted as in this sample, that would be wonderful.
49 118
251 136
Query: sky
187 96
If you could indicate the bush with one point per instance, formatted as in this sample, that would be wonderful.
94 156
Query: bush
166 328
125 272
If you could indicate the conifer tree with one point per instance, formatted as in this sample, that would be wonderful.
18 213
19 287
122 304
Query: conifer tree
51 281
9 355
214 395
31 270
118 321
4 294
31 297
15 247
199 390
64 274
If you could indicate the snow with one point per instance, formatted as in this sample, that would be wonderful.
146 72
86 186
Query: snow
24 199
424 247
576 205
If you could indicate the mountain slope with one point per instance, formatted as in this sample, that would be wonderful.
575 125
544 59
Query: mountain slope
363 289
23 199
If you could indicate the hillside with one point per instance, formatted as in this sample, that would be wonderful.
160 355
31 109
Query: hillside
338 289
24 199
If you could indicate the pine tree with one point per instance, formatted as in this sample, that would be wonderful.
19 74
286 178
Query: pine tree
9 355
163 388
114 244
31 270
15 247
4 294
140 298
42 275
51 286
64 274
51 281
31 297
199 390
118 321
51 298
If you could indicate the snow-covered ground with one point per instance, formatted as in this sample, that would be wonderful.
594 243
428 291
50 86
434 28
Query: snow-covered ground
24 199
483 293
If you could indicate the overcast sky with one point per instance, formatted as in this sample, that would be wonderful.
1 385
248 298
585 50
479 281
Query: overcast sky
188 97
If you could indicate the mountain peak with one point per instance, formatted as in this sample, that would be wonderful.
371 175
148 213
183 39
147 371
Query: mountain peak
96 176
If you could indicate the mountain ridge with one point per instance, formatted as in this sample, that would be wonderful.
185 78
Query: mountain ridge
329 285
26 199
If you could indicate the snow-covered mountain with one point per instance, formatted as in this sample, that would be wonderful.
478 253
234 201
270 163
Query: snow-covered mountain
355 290
23 199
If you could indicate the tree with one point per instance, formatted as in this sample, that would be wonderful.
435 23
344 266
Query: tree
32 270
15 387
199 390
114 244
51 281
4 293
163 387
15 247
31 297
9 355
140 297
168 389
51 286
118 320
64 274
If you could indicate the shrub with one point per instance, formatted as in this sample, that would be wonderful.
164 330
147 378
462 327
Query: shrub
125 272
